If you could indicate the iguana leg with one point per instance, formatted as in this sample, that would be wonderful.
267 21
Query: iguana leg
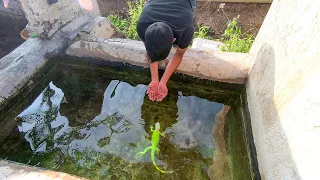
162 134
157 151
151 128
145 150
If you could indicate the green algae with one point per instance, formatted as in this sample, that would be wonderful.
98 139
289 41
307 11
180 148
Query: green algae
237 146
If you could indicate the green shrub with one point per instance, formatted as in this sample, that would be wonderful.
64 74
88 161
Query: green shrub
202 32
120 23
234 40
128 26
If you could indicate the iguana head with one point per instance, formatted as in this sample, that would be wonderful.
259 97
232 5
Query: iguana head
157 126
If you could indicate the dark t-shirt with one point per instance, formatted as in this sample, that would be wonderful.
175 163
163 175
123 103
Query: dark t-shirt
177 14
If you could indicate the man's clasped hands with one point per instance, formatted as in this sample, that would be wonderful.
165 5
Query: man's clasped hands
157 91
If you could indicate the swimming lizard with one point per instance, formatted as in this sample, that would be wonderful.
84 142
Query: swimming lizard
154 140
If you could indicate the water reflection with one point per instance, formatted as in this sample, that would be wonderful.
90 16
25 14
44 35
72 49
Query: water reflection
118 130
114 131
196 118
36 119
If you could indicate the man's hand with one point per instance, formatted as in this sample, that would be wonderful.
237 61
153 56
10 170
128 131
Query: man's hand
172 66
153 90
162 91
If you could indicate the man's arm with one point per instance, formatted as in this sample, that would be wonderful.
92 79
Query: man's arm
173 65
153 86
154 71
154 67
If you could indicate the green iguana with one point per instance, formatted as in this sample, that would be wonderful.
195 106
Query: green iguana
154 140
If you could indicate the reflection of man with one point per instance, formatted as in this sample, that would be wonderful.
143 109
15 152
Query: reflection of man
161 24
5 3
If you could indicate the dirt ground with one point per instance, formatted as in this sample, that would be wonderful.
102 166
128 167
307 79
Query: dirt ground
108 7
251 16
206 13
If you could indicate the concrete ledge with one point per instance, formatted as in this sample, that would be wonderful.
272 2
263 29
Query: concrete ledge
206 45
216 65
17 68
11 170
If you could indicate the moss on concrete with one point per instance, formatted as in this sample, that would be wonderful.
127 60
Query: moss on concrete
237 144
220 167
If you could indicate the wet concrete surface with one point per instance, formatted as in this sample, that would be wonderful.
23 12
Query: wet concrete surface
10 34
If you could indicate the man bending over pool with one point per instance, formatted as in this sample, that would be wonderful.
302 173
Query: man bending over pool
164 23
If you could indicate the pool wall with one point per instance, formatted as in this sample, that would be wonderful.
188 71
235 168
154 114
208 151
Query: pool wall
283 91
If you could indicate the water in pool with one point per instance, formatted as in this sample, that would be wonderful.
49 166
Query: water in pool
92 124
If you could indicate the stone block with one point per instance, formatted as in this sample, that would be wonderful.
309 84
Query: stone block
219 66
45 19
101 27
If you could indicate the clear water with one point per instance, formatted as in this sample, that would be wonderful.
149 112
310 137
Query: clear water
91 123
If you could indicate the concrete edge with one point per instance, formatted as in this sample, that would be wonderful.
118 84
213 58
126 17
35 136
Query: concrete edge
13 170
23 63
213 65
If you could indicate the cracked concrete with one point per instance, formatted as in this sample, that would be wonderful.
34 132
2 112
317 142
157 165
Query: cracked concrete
45 19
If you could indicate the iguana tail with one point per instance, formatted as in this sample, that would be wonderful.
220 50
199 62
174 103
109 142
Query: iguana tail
155 165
